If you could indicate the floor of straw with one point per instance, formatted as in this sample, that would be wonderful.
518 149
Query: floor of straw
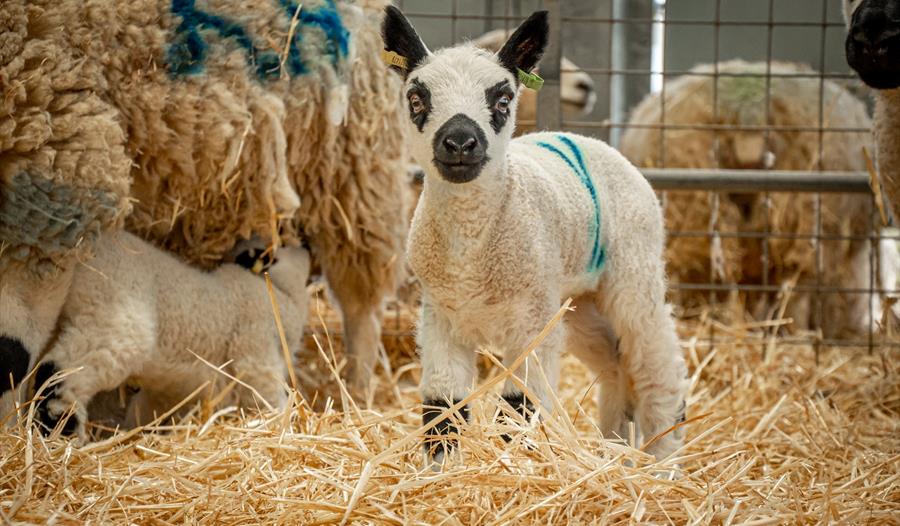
773 437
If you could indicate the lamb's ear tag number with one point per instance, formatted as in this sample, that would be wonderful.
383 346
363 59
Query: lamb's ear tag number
531 80
393 59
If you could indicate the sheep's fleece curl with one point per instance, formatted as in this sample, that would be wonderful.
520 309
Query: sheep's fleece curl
213 147
197 123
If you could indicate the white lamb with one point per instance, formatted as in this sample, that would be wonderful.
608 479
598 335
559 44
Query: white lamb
135 312
508 228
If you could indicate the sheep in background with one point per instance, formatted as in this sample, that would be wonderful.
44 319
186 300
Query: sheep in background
211 121
873 51
793 103
134 312
506 229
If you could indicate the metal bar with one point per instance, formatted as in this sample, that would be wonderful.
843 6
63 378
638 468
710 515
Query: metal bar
717 127
549 114
775 235
753 181
739 287
723 180
611 20
694 73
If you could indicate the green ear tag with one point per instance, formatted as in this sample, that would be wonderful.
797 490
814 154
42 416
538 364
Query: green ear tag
393 59
531 80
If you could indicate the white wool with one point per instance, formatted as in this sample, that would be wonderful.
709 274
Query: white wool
497 255
134 313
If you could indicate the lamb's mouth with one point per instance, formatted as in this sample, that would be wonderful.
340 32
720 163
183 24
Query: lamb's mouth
582 106
459 173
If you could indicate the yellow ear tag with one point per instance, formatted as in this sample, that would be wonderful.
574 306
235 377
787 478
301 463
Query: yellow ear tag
531 80
257 266
393 59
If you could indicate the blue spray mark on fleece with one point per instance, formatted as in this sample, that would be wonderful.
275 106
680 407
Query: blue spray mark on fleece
188 51
326 18
187 54
598 252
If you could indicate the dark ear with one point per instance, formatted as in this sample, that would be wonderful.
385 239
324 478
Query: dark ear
524 48
400 37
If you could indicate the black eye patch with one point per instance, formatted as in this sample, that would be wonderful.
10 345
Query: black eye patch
420 89
492 95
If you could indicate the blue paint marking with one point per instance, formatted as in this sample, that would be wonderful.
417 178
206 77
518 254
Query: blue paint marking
187 54
598 252
326 18
188 51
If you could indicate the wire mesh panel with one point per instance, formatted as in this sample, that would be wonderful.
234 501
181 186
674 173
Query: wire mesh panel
747 120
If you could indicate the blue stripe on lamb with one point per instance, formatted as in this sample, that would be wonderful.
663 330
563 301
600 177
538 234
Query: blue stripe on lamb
598 251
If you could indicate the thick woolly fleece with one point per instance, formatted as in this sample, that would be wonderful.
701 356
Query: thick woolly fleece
135 313
217 122
793 102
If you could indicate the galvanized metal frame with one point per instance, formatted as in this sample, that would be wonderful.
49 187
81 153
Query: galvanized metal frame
714 180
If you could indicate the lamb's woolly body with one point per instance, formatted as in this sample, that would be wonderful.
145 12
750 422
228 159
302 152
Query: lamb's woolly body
498 254
135 312
214 146
793 102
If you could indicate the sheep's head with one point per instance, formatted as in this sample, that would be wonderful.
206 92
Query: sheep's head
462 100
873 41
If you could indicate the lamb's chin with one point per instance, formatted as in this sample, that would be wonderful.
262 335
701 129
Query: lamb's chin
459 173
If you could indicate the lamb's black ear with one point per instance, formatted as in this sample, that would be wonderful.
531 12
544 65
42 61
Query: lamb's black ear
524 48
399 36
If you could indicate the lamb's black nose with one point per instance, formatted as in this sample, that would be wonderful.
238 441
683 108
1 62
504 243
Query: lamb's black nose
460 141
460 149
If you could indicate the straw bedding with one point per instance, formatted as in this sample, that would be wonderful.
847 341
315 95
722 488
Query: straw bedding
772 438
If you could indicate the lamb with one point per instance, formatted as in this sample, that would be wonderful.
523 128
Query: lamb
507 228
873 51
134 312
206 120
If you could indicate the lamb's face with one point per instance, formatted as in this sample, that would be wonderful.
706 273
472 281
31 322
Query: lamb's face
873 41
462 100
462 106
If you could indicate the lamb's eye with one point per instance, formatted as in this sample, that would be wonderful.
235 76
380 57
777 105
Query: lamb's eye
502 104
416 103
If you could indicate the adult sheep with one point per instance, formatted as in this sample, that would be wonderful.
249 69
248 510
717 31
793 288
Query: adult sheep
218 114
794 103
134 312
873 51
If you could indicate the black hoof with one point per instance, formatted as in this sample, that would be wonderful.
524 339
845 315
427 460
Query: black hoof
13 362
436 441
48 420
521 405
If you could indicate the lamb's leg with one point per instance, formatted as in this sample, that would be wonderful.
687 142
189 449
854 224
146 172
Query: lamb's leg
543 359
107 356
448 372
590 338
29 308
633 299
